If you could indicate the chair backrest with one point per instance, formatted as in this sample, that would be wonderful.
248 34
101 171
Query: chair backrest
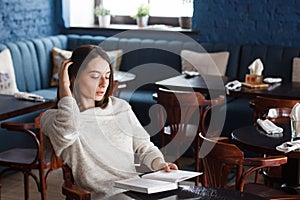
276 110
222 157
184 107
70 189
28 159
68 175
220 161
46 147
180 107
115 88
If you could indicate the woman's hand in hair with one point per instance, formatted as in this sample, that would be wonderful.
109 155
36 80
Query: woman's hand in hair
64 80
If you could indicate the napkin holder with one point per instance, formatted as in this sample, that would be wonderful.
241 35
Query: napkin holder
253 79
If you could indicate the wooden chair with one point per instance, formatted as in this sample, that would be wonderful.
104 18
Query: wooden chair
277 111
221 158
116 90
178 122
70 189
74 192
28 159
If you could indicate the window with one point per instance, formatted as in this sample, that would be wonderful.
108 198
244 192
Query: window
158 8
161 11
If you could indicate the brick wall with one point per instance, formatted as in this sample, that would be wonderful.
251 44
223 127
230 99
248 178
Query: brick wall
27 19
273 22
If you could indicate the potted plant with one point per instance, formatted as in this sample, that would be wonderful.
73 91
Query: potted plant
142 15
103 15
185 20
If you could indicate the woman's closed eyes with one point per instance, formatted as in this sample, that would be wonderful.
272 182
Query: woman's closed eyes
96 75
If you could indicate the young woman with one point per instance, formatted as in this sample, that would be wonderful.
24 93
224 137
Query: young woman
97 134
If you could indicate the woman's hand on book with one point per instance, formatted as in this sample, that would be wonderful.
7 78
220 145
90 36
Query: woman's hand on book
168 166
160 164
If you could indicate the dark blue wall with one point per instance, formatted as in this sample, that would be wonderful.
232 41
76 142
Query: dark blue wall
27 19
274 22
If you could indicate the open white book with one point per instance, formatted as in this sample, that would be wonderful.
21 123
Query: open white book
156 181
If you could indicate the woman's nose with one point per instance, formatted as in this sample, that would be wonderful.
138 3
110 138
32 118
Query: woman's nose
102 81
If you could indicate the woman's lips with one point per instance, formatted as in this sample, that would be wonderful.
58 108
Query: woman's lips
100 93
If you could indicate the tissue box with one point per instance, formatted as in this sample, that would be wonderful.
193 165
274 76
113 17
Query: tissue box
253 79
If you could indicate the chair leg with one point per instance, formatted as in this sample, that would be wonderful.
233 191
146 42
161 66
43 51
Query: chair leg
26 186
43 186
256 176
0 185
197 165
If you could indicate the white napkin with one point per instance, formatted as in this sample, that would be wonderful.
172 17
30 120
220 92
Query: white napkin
28 96
233 85
256 67
190 74
295 113
269 126
289 146
272 80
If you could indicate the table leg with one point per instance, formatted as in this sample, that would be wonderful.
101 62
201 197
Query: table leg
291 176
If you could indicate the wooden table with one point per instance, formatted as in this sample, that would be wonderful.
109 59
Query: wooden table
254 139
289 90
12 107
189 192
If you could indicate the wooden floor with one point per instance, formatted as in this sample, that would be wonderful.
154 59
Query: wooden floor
12 187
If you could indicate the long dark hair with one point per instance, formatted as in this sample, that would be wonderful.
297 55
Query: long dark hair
81 56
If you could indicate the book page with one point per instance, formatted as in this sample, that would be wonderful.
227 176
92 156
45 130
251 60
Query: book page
145 185
174 176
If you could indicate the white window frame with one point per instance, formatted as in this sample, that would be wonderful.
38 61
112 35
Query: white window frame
158 8
81 11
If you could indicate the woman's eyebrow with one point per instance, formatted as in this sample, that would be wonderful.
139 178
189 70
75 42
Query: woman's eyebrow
99 72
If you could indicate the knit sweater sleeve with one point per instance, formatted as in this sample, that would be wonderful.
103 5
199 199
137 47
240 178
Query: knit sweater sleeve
61 124
142 145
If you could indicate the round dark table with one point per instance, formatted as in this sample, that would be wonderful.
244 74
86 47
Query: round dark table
254 138
189 192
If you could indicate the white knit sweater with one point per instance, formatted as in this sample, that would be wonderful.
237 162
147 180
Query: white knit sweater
98 144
